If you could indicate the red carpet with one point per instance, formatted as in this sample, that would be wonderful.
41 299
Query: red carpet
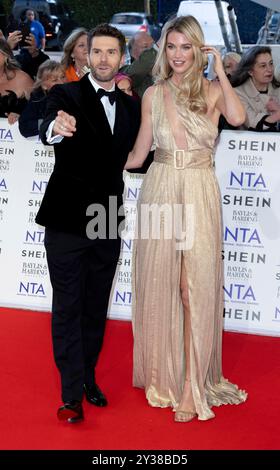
30 395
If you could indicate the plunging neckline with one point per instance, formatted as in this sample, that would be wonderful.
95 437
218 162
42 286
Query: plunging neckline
207 119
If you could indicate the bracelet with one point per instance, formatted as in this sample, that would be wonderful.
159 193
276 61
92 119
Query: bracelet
263 122
269 124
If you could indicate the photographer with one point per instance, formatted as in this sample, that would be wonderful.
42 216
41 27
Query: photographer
29 56
36 28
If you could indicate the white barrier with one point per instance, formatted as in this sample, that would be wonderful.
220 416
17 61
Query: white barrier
248 170
25 167
247 166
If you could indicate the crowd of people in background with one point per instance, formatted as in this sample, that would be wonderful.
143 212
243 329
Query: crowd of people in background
177 330
253 74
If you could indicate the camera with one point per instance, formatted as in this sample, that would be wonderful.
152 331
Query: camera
24 27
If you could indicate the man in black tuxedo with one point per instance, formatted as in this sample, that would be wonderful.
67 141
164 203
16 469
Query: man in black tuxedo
93 126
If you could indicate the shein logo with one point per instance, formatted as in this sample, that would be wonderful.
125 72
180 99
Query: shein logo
36 237
242 235
239 292
6 134
247 180
31 288
3 185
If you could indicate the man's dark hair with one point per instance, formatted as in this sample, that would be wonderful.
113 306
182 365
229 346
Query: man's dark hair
33 11
104 29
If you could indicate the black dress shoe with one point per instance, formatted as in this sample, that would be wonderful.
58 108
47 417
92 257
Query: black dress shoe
95 396
71 411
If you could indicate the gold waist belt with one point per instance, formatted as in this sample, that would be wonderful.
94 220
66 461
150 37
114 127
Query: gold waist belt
181 159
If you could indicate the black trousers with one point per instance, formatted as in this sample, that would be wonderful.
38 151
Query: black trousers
81 273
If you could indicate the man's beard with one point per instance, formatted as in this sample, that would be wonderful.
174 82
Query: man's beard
100 78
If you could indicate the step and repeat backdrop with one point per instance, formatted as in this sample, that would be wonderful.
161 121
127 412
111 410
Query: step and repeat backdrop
248 170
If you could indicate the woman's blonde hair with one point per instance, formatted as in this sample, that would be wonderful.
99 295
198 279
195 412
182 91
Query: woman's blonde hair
191 88
45 70
232 55
10 65
69 45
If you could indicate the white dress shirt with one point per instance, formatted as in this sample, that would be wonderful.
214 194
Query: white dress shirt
110 111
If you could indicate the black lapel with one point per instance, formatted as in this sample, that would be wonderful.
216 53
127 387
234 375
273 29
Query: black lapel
122 118
92 109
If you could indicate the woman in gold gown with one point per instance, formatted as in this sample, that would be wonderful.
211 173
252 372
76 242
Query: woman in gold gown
177 273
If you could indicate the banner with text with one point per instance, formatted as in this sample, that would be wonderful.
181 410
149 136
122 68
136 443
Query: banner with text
247 168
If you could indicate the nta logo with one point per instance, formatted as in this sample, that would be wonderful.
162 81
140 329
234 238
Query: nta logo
35 237
31 288
6 134
242 235
247 180
239 292
39 187
3 185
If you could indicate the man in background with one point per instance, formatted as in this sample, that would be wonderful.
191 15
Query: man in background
36 28
139 43
141 69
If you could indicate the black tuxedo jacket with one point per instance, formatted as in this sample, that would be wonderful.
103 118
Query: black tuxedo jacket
88 166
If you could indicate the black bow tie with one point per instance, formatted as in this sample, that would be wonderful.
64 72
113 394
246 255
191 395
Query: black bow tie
111 94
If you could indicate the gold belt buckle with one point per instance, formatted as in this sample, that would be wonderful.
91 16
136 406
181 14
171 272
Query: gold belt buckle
179 156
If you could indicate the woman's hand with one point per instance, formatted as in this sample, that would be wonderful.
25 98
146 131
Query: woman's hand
12 118
273 104
14 38
218 63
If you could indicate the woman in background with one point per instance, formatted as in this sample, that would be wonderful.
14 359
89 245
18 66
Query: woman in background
258 89
75 52
50 73
230 62
15 85
124 83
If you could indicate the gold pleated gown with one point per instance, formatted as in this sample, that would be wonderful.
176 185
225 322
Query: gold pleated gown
157 311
